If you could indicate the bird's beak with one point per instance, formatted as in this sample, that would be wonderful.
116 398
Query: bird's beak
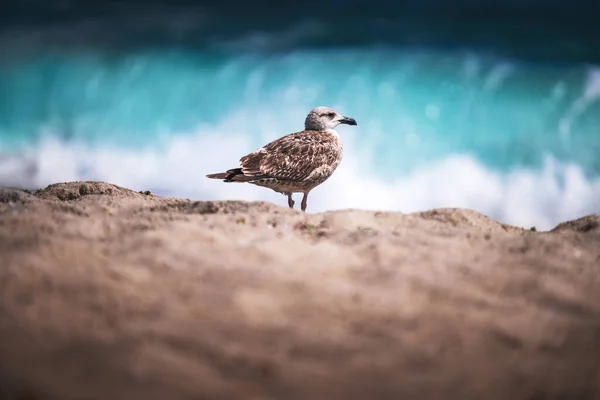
347 121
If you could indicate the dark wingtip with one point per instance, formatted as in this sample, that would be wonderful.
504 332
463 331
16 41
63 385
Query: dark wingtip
228 176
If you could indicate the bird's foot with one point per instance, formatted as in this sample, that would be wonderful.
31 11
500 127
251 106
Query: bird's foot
303 204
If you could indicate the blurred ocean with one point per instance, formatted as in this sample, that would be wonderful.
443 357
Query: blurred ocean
515 138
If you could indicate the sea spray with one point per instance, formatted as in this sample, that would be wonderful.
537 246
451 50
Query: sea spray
512 139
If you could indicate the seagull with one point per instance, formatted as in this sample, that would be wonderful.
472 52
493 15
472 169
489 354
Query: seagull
297 162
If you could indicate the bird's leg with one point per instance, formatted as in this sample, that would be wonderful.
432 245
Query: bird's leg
303 204
290 200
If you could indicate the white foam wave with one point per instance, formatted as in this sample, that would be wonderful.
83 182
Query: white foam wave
523 197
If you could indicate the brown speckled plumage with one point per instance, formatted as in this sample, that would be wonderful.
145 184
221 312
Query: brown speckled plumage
297 162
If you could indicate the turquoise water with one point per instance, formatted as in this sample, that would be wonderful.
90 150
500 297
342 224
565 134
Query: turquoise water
516 140
412 106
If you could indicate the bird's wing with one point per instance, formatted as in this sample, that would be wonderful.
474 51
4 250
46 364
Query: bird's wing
292 157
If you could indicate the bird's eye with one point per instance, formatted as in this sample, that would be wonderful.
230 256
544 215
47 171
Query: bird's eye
331 115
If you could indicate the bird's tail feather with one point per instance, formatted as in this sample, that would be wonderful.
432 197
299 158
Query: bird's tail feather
219 175
231 175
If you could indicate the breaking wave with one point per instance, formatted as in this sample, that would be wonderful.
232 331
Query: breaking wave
517 141
540 197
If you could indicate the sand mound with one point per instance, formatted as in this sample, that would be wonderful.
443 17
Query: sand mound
109 293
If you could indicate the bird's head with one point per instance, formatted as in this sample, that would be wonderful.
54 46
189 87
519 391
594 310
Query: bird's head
322 118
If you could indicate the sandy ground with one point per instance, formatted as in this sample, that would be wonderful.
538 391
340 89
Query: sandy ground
107 293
